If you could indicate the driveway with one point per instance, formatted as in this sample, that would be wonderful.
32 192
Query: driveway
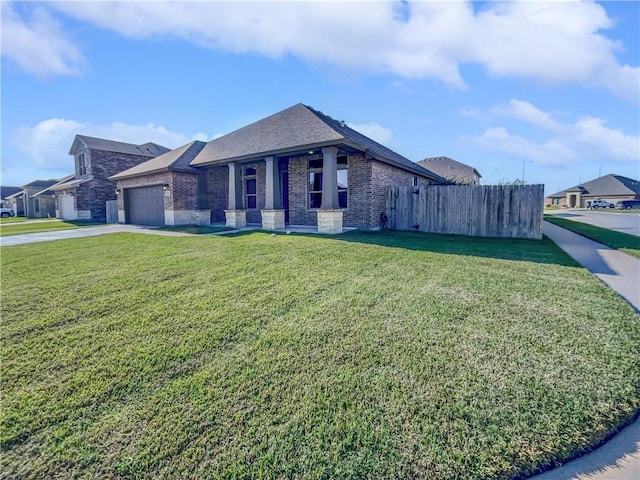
80 233
611 219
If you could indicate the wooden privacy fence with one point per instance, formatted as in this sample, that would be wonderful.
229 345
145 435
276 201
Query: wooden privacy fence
512 211
112 211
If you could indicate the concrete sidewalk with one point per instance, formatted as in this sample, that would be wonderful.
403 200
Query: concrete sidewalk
619 458
81 233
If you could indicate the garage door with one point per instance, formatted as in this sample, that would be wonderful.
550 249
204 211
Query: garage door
66 208
145 205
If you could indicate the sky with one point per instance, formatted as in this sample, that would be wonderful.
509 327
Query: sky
548 89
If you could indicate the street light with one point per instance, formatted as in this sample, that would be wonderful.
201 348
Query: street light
524 162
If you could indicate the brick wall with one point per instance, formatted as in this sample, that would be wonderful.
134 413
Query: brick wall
184 191
217 188
101 165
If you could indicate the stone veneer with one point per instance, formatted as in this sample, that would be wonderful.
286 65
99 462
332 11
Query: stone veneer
273 219
330 221
236 218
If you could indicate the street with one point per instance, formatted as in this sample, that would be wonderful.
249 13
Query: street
612 219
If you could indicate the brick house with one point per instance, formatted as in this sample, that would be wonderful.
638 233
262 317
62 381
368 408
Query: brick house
452 170
83 195
296 167
611 188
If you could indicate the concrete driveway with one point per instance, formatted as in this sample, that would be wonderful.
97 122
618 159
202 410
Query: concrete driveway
611 219
81 233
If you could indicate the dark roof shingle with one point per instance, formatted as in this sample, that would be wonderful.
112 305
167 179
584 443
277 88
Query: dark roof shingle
296 128
604 186
148 149
175 160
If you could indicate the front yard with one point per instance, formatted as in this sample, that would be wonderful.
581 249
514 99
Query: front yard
44 225
368 355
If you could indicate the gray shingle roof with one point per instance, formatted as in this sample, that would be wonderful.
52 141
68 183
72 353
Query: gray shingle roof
48 190
41 183
5 191
450 169
175 160
604 186
297 128
149 149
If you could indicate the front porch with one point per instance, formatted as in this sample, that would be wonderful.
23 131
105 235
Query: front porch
251 182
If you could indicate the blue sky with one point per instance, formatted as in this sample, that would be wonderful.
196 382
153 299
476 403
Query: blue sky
553 87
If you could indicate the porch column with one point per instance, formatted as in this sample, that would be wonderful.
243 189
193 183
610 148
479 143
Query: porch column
330 215
329 178
235 216
272 215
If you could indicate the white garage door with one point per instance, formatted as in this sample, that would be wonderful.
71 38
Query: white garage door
145 205
66 207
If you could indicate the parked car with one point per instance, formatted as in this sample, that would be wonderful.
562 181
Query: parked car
601 203
628 204
6 212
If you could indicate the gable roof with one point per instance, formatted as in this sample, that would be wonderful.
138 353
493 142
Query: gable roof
6 191
40 183
175 160
449 168
296 129
604 186
49 190
148 149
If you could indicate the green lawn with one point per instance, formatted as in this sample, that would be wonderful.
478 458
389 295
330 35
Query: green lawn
629 244
368 355
195 229
12 219
48 226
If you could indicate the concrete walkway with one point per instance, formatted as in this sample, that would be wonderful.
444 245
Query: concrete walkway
81 233
619 458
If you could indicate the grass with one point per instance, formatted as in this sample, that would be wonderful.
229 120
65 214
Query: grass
627 243
34 227
368 355
195 229
12 219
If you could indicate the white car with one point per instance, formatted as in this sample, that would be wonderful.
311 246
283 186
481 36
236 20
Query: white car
601 203
6 212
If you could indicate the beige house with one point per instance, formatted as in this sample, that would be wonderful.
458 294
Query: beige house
611 188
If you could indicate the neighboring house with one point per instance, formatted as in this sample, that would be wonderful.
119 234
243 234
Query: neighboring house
297 167
612 188
83 195
36 206
5 193
452 170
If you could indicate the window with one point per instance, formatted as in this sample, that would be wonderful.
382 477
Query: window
82 165
250 188
315 183
36 205
415 181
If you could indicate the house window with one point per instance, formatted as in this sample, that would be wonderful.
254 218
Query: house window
315 182
36 205
415 181
82 165
250 188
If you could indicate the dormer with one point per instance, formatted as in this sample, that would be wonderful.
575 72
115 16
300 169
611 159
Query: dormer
81 156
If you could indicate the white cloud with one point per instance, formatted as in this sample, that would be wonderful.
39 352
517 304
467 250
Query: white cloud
38 46
374 131
46 145
551 152
528 113
558 42
587 139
